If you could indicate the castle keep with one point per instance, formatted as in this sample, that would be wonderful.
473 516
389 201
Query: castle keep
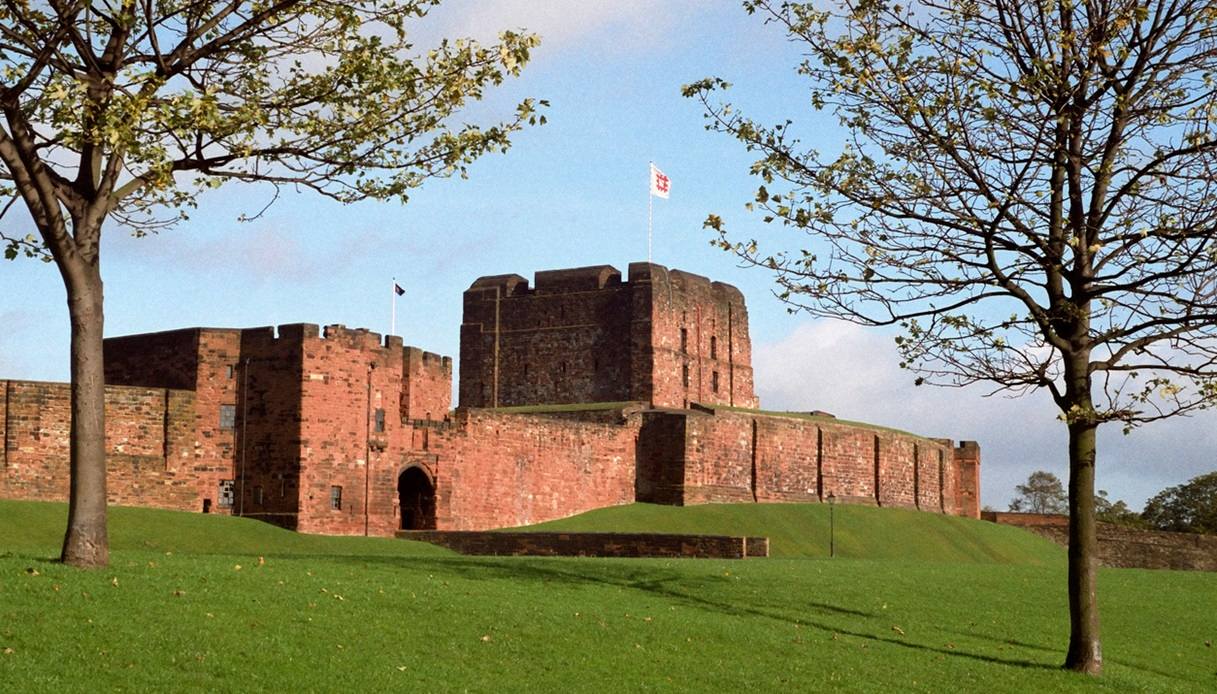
581 391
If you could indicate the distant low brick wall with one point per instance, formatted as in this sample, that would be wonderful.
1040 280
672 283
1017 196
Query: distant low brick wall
594 544
1124 547
1026 520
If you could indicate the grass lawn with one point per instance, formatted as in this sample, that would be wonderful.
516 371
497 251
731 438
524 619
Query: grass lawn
188 606
801 530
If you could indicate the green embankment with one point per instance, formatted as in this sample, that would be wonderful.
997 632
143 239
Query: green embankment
802 530
204 603
33 526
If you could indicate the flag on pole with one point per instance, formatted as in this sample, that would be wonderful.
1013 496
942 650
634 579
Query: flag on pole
661 185
397 289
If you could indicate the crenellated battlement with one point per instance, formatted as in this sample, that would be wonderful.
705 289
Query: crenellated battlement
664 336
342 430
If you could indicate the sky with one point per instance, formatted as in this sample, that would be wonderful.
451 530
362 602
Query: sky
571 193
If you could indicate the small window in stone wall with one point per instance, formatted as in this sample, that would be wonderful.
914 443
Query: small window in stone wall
684 375
714 381
380 421
713 347
226 493
228 417
684 340
336 498
229 370
258 499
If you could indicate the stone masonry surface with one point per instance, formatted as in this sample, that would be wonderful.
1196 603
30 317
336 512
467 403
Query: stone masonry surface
607 392
1122 546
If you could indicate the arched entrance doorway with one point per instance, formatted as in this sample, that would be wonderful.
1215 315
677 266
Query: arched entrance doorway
416 496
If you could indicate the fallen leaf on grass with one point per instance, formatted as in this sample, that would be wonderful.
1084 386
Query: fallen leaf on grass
31 571
114 581
237 567
261 561
178 593
1208 644
898 630
9 651
485 638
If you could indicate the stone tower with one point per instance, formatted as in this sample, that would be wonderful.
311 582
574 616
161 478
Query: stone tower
582 335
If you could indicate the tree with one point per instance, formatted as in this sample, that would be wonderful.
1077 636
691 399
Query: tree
1043 493
1108 511
1187 508
126 111
1025 189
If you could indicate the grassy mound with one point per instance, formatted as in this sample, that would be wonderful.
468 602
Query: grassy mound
35 526
802 530
187 605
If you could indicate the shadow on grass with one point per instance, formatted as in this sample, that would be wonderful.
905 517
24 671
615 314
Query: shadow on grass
666 584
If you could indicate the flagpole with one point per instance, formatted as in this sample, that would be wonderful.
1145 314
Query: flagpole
650 205
393 319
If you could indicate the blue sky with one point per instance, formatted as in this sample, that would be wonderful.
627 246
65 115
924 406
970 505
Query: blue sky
571 193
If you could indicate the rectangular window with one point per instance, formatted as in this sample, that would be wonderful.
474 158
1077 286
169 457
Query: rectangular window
714 382
684 340
336 498
258 496
684 375
713 347
228 417
230 370
380 421
226 493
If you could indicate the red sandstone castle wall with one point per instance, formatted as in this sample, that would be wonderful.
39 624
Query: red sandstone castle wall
148 444
202 360
717 460
736 456
786 460
498 470
348 377
701 326
289 418
266 470
427 386
582 335
567 340
967 485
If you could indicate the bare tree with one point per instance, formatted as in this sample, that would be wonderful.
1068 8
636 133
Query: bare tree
123 110
1026 189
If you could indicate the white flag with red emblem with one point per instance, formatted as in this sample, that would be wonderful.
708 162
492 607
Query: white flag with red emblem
661 185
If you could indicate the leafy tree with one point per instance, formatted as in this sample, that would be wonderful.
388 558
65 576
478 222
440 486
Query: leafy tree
1188 508
1026 189
1117 511
1043 493
125 111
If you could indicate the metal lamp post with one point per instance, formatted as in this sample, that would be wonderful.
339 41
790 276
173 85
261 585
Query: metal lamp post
832 527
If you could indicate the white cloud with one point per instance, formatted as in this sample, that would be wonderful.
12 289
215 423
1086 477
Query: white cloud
853 372
560 23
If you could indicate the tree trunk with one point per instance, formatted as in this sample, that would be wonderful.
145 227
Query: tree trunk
86 543
1085 651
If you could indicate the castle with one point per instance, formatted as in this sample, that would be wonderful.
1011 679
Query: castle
582 391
